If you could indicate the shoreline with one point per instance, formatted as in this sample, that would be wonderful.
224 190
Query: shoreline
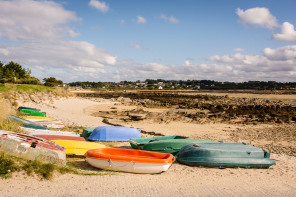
179 180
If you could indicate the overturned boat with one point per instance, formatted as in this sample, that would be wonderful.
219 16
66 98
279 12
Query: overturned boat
224 155
26 123
129 160
74 147
164 144
31 147
114 133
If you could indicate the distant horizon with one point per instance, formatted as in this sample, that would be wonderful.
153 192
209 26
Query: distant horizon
107 40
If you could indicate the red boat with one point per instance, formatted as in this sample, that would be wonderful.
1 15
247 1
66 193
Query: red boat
60 137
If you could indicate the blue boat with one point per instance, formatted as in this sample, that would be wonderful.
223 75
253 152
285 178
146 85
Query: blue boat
114 133
224 155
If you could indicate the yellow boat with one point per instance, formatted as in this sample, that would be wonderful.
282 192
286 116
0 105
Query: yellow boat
37 118
74 147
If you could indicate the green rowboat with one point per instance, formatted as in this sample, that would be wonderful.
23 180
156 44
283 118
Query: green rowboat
30 108
224 155
86 132
33 112
164 144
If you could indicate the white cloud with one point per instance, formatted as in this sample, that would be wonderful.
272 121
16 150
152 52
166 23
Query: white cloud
170 19
36 20
73 55
258 16
101 6
275 64
239 50
287 34
136 46
141 19
287 53
44 43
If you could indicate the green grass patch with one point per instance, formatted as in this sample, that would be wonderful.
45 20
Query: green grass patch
28 88
10 164
7 165
24 88
9 125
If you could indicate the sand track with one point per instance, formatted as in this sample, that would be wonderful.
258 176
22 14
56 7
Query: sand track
179 180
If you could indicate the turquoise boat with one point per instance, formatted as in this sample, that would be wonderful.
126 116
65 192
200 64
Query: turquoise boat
164 144
26 123
222 155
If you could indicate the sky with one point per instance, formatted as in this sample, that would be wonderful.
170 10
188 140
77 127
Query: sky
130 40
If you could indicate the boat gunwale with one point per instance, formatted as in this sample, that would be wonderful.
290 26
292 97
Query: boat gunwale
99 154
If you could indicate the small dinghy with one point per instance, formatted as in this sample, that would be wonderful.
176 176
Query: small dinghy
129 160
29 108
86 132
33 112
37 118
26 123
114 133
48 132
74 147
60 137
224 155
164 144
55 124
31 147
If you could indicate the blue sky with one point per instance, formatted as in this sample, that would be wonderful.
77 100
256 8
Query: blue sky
112 40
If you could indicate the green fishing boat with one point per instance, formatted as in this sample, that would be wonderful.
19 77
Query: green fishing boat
164 144
30 108
224 155
33 112
86 132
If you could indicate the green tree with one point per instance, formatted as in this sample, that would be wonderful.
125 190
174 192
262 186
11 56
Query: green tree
52 81
1 70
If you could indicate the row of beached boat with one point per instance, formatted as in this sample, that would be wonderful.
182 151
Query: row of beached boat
147 155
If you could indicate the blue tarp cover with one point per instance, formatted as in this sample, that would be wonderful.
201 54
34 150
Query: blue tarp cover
114 133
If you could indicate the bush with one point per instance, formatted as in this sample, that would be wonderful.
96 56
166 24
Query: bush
7 166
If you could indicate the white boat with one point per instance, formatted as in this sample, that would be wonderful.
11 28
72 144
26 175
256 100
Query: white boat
129 160
48 132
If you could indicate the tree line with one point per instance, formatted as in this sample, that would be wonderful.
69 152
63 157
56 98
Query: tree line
13 72
188 84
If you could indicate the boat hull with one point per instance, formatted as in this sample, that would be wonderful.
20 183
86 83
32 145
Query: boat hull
55 124
26 123
48 132
33 112
86 132
129 160
29 108
164 144
37 118
224 155
60 137
114 133
74 147
31 147
123 166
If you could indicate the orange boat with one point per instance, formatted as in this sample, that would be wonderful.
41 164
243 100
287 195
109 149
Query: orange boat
129 160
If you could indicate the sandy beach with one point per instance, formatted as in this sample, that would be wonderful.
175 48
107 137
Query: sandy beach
179 180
